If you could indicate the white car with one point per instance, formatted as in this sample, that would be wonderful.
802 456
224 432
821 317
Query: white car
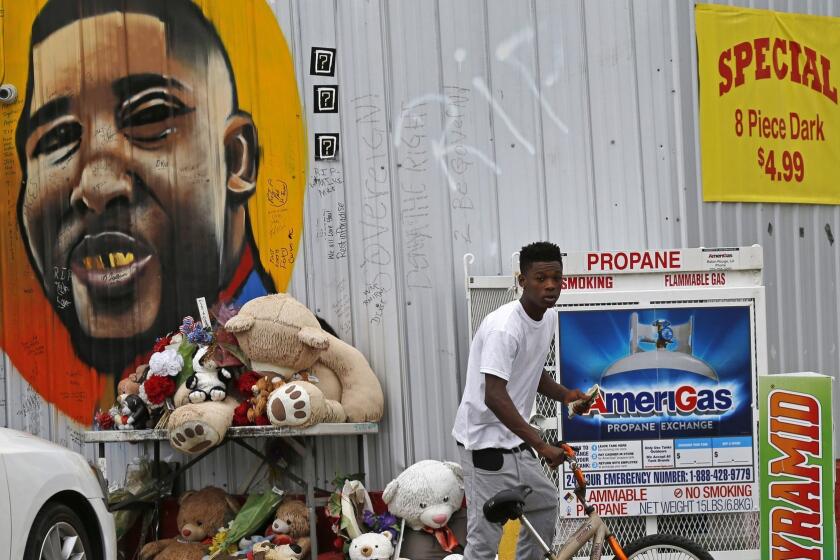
52 503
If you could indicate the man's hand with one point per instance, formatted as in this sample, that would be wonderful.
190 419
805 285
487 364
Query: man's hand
554 456
573 395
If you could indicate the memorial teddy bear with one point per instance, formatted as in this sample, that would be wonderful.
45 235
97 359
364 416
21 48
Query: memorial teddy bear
280 335
130 412
256 388
208 381
428 496
200 515
372 546
291 525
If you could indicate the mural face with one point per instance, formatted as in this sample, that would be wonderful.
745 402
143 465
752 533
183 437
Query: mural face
141 185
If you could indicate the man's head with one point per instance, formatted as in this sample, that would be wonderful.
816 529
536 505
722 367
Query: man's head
137 168
541 271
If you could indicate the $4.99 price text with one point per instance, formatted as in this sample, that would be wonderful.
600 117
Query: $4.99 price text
792 165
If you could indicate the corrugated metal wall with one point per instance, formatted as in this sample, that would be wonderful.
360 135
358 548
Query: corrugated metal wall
478 126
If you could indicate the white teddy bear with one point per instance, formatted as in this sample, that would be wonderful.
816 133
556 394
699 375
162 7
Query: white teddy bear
208 381
372 546
426 494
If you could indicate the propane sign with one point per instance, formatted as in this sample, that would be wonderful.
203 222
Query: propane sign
676 352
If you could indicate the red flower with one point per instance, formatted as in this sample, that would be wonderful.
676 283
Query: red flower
158 387
246 381
240 415
105 420
162 343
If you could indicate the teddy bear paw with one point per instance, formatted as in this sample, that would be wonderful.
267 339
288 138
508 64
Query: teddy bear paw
197 397
289 406
194 437
217 394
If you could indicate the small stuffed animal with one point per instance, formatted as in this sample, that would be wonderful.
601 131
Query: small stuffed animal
256 388
133 413
200 515
267 551
208 381
130 385
427 495
372 546
291 525
261 390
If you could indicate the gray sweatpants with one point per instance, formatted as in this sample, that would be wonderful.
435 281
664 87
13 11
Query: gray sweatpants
519 467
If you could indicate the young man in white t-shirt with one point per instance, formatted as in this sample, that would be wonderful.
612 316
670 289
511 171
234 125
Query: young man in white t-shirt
504 374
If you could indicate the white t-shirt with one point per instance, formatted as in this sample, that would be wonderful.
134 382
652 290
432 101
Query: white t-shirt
511 345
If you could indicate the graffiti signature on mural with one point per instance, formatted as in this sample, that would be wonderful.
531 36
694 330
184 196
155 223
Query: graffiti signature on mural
325 180
278 192
374 299
341 307
331 226
376 201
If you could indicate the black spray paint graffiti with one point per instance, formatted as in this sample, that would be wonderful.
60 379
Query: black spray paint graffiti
325 98
326 146
322 62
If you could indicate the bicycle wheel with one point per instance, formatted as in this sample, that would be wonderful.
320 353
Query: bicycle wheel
665 547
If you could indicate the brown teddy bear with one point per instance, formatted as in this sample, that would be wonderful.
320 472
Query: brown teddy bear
256 388
200 515
280 335
264 386
291 525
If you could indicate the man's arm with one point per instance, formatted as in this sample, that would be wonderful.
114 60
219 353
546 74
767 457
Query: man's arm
553 390
498 401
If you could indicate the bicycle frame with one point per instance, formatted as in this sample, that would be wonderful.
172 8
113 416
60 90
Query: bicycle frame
592 528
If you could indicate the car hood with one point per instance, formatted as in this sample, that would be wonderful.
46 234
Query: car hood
32 462
14 441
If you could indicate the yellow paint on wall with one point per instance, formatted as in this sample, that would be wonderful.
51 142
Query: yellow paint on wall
265 75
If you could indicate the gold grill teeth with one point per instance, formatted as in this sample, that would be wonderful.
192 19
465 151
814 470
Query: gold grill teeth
113 260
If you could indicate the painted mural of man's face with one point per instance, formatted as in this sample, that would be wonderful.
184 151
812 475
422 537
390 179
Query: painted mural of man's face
138 167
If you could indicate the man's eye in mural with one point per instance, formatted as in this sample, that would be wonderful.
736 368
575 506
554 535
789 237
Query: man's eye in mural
150 116
62 140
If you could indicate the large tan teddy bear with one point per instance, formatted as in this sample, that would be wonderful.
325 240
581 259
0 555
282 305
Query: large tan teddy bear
280 335
200 515
196 427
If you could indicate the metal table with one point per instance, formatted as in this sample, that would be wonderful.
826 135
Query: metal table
306 450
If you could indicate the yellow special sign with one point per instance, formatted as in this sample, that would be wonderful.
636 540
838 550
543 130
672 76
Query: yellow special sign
769 117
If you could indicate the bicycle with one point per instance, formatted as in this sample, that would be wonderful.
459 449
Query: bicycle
508 505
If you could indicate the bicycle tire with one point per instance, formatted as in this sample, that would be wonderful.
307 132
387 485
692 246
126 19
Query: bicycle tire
665 547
